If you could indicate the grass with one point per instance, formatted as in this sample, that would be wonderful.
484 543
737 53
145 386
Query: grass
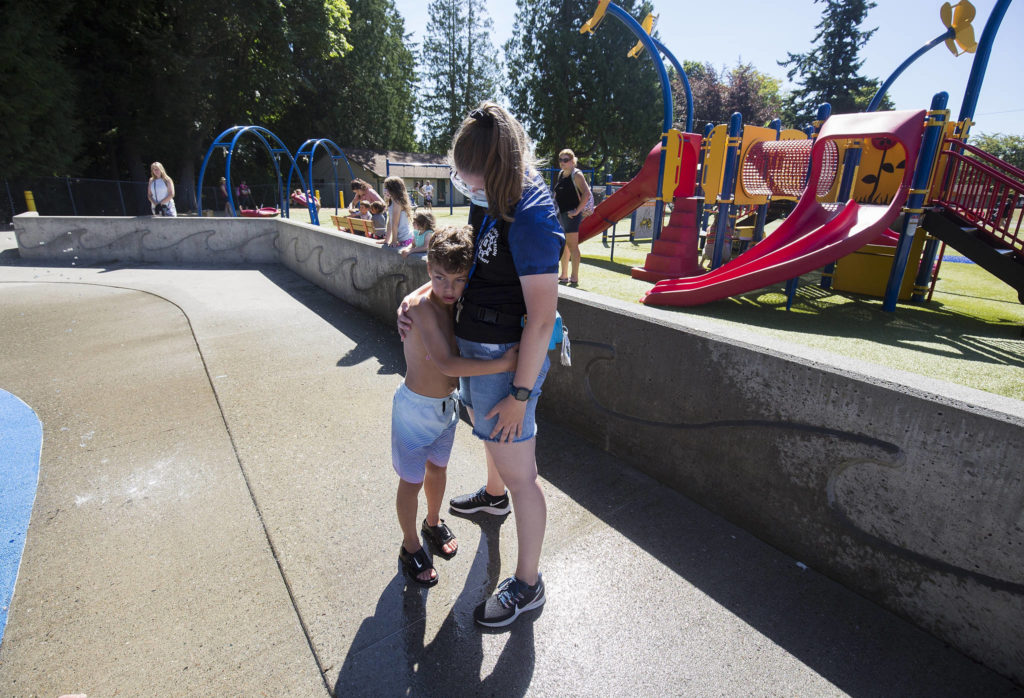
970 333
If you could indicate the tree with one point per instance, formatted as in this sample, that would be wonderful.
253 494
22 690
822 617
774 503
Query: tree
459 66
830 71
582 91
39 134
1007 147
366 98
716 95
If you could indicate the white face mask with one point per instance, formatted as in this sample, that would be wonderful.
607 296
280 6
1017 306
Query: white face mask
477 196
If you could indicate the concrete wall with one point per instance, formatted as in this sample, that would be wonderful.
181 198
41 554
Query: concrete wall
908 490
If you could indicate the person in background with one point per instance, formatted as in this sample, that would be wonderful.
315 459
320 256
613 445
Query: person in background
362 191
399 228
428 194
160 191
571 196
423 228
364 210
223 189
380 219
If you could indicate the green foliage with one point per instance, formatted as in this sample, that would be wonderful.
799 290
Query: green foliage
830 71
1007 147
582 91
104 87
364 98
460 67
38 131
717 94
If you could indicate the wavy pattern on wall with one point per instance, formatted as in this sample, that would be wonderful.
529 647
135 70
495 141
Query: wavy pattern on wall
607 353
218 243
334 273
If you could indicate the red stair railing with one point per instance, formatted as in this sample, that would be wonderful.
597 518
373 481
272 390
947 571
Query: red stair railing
986 192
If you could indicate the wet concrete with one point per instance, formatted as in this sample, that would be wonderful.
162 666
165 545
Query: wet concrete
215 517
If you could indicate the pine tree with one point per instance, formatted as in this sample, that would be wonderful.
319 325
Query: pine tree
460 67
830 71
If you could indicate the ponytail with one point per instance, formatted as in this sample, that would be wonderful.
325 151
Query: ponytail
490 142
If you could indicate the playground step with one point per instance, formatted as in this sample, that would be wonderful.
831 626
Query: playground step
978 246
671 248
678 233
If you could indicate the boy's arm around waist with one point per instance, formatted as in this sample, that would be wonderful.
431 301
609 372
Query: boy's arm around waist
439 348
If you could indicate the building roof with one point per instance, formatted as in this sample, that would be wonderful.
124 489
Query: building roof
376 161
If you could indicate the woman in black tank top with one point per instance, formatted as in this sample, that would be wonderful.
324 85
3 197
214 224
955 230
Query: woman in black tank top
571 196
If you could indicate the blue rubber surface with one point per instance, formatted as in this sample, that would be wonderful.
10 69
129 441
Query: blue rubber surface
21 440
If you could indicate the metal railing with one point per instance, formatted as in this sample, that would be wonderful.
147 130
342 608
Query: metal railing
986 192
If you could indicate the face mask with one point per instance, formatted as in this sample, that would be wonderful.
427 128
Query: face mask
477 196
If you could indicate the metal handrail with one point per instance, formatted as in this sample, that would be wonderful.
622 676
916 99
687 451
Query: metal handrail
985 191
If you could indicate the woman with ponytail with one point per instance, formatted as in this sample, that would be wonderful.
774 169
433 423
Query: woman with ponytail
510 300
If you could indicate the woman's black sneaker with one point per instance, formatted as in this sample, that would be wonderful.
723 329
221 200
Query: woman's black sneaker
481 501
512 597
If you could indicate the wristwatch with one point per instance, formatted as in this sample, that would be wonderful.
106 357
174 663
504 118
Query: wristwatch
521 394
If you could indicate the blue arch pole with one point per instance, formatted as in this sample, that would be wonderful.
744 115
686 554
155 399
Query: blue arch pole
981 56
915 201
228 139
686 82
666 99
309 150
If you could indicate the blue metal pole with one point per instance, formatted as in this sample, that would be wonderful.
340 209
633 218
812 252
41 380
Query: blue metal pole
705 146
981 57
913 208
877 99
725 205
686 83
666 99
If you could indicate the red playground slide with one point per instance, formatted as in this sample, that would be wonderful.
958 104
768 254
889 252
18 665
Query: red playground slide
626 200
814 234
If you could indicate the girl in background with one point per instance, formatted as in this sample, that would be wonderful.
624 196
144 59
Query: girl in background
423 225
160 191
399 228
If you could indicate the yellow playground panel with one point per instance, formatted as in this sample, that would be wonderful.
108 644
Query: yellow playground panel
713 169
866 271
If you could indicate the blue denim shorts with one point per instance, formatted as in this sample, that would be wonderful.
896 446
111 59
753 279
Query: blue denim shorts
482 393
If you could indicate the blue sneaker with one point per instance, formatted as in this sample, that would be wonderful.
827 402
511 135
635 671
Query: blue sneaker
512 597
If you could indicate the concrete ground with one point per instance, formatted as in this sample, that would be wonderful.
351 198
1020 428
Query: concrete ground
215 516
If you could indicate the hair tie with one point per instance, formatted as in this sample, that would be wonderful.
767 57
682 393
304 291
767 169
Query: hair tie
482 117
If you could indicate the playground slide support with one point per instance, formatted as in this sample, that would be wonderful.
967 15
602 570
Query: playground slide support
980 64
725 206
915 200
705 145
666 99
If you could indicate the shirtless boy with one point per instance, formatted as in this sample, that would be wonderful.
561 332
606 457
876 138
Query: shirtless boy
426 408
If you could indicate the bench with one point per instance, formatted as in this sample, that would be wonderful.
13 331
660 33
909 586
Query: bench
356 226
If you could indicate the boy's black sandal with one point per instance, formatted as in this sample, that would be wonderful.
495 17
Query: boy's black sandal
438 536
415 564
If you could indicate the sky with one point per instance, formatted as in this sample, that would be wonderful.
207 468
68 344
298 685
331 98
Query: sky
760 33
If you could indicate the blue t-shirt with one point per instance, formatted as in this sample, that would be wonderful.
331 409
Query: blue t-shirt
530 244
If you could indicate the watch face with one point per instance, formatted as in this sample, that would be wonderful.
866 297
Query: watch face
521 394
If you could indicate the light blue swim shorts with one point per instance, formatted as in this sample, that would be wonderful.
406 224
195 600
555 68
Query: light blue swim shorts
422 429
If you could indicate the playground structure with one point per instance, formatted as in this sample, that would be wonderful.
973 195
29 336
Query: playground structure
869 169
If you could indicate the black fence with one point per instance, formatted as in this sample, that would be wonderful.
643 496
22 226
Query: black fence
77 196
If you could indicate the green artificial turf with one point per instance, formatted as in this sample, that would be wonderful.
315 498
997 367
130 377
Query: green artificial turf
970 333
